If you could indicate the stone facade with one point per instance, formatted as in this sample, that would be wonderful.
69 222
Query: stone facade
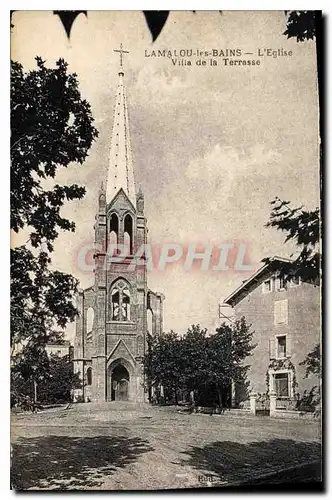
111 330
285 318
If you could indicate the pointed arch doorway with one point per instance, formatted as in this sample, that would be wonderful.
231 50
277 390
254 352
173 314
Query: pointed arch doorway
120 379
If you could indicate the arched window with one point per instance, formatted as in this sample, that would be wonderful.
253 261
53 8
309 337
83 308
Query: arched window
125 304
150 321
89 323
128 233
115 297
120 301
89 376
114 230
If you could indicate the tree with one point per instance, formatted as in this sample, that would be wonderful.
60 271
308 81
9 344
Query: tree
312 362
195 362
200 363
162 363
228 349
302 24
61 379
303 227
29 367
54 378
311 401
51 127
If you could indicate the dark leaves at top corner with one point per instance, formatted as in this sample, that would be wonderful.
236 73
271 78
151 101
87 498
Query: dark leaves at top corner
302 24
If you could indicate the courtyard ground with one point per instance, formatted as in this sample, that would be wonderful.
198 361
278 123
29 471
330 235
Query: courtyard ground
122 446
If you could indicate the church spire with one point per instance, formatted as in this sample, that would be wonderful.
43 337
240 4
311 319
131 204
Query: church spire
120 169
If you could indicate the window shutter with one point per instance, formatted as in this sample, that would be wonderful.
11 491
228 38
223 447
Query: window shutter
281 312
288 345
272 349
284 311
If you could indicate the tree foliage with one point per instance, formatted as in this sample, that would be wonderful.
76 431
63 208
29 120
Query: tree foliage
312 362
302 227
302 24
54 376
51 127
41 299
311 400
227 351
162 362
61 379
199 363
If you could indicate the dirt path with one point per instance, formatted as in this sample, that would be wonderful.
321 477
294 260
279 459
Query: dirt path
131 448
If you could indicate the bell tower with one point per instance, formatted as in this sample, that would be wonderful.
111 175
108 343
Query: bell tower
120 280
120 297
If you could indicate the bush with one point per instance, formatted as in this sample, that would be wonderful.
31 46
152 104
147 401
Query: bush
309 401
263 401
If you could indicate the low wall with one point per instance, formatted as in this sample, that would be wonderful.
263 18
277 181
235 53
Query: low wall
293 414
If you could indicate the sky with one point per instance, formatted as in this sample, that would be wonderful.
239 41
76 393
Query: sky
212 145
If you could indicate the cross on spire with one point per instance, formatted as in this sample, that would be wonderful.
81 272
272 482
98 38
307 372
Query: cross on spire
121 52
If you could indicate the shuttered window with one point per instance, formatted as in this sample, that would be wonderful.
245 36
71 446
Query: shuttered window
281 346
281 283
281 312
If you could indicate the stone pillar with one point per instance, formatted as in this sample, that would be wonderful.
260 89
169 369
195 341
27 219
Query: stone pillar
98 378
273 403
140 395
253 397
99 357
158 313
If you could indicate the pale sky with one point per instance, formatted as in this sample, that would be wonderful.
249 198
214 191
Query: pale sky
212 146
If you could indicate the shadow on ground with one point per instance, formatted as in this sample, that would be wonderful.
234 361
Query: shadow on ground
227 461
63 462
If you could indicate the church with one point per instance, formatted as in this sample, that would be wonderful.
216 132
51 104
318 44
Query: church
112 325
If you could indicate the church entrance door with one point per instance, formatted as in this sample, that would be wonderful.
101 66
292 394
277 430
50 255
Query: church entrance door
120 384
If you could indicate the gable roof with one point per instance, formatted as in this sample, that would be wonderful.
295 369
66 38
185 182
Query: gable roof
118 194
274 264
